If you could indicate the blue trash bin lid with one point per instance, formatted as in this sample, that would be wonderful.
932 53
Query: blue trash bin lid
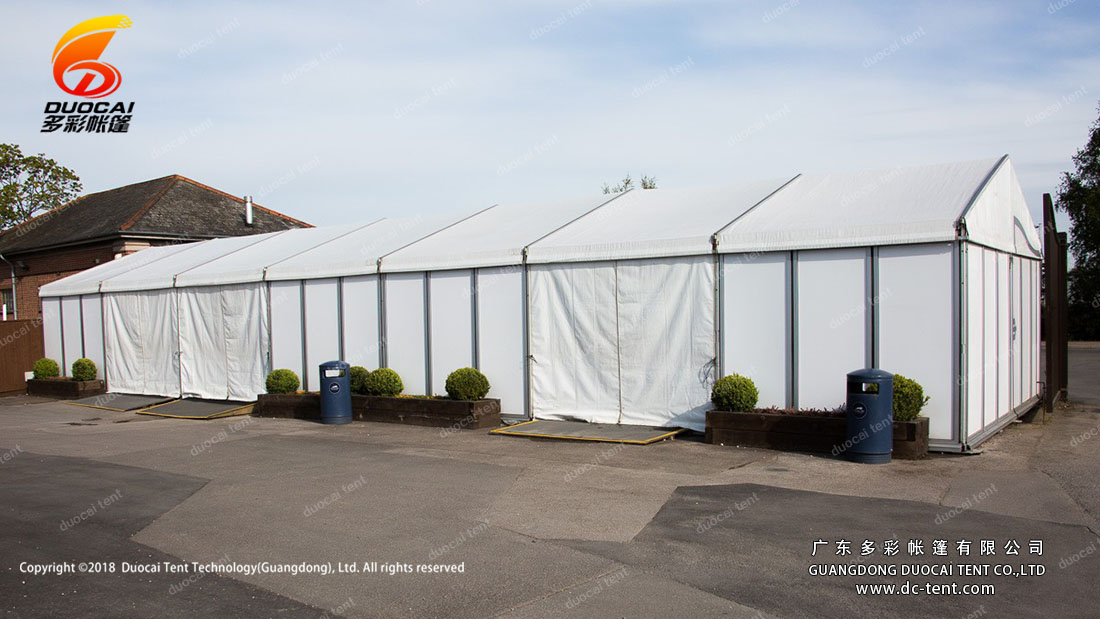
335 365
869 374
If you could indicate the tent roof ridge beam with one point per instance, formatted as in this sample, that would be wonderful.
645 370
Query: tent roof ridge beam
435 232
714 237
575 220
960 222
292 256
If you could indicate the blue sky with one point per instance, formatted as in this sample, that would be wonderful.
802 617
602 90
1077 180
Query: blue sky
340 112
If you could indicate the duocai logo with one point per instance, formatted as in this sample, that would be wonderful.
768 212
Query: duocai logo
76 58
78 71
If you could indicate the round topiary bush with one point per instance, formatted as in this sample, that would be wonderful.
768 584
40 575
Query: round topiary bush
282 381
84 369
46 368
734 393
909 398
467 384
358 379
384 382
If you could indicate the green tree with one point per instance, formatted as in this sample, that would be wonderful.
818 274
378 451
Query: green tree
1079 197
648 182
32 184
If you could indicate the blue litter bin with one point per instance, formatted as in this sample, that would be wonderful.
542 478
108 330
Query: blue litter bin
335 392
870 411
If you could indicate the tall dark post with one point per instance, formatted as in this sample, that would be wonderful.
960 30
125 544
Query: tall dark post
1056 307
1063 321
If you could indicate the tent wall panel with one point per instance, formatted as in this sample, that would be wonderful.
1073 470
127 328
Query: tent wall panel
360 317
406 329
916 317
1037 324
666 340
975 338
72 332
501 331
1004 337
574 342
990 364
142 342
452 325
286 326
832 323
1017 331
92 326
756 322
223 341
322 311
51 328
203 348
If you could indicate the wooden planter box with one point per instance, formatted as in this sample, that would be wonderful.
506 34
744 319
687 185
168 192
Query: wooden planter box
434 412
64 388
806 433
288 405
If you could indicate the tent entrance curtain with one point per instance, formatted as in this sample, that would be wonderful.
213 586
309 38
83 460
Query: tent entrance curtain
623 342
223 341
142 342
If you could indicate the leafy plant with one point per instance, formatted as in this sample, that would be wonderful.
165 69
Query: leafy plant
84 369
384 382
467 384
46 368
358 379
909 398
734 393
282 381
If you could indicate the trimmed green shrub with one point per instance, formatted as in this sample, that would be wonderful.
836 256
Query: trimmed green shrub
467 384
385 382
46 368
358 379
84 369
734 393
909 398
282 381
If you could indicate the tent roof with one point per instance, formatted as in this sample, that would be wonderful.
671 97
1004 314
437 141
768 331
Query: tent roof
493 237
249 263
883 207
977 200
87 282
652 223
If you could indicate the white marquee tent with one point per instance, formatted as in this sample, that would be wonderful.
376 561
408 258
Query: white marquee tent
616 309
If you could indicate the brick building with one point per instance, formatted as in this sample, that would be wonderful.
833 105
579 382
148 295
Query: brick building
99 227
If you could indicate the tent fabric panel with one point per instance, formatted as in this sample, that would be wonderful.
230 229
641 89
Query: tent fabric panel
161 343
501 336
286 327
651 223
322 326
123 320
361 321
990 363
161 273
72 333
244 311
916 326
248 263
92 327
574 342
1016 330
1037 325
406 330
87 281
203 347
666 340
976 315
1004 337
1000 218
755 322
452 325
832 330
51 329
866 208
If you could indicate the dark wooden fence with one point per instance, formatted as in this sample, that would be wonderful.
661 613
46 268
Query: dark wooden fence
1055 307
20 347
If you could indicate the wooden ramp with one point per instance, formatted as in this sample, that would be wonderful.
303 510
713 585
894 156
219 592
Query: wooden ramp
582 431
194 408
